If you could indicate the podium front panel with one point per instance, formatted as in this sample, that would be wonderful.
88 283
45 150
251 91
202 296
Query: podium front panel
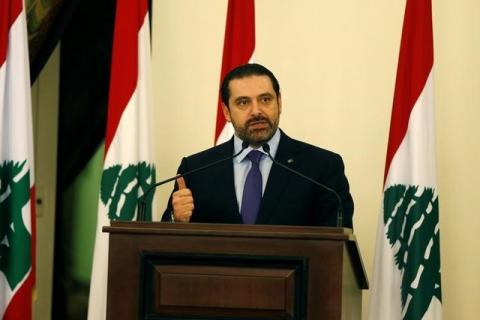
226 272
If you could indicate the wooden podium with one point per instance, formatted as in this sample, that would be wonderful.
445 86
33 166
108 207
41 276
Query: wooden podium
220 271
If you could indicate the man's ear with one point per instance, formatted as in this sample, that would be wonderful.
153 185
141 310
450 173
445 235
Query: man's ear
279 99
226 112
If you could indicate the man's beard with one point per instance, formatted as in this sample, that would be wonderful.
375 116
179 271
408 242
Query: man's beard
256 137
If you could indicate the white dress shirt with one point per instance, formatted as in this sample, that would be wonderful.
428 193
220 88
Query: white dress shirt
241 164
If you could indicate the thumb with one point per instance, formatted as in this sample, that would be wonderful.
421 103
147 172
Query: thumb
181 183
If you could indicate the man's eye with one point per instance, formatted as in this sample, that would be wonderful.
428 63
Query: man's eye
243 102
266 99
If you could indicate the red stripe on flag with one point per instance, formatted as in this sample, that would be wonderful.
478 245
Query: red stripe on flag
129 18
238 45
414 65
20 307
9 11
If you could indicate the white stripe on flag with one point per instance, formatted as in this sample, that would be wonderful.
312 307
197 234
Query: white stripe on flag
130 144
418 144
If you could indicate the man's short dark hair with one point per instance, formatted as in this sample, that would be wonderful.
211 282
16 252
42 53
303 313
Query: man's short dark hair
246 70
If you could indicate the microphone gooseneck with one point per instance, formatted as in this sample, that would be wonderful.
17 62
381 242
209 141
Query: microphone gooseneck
245 145
266 148
142 202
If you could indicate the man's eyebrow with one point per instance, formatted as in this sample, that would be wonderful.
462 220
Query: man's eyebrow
266 94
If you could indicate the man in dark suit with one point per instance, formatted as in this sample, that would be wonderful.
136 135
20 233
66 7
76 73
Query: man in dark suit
223 193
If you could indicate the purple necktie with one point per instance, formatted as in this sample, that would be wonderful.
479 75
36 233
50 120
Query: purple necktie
252 190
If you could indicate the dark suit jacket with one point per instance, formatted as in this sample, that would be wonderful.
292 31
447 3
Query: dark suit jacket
287 199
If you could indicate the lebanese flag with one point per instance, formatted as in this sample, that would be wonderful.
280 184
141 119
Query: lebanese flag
406 278
128 164
17 187
238 49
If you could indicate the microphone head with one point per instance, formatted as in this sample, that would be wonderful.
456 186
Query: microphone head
245 144
266 147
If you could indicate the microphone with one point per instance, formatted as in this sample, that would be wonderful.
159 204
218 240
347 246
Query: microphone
142 203
266 148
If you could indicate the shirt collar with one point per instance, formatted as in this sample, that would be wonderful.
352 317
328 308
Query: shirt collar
273 143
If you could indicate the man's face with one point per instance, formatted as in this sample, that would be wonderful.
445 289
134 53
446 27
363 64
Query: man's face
254 109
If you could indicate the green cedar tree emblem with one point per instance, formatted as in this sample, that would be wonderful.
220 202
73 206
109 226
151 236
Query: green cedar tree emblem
121 186
411 220
15 253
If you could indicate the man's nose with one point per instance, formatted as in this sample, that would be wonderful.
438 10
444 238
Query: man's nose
255 107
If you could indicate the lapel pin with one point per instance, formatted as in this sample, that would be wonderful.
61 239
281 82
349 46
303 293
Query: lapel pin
290 160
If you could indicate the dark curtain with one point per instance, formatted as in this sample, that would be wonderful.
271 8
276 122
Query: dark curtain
84 80
46 23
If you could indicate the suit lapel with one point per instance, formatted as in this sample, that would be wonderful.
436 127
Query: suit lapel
224 181
278 178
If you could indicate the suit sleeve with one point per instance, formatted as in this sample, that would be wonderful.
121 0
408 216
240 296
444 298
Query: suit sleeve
327 204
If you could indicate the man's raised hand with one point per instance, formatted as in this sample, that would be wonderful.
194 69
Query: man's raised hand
182 202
